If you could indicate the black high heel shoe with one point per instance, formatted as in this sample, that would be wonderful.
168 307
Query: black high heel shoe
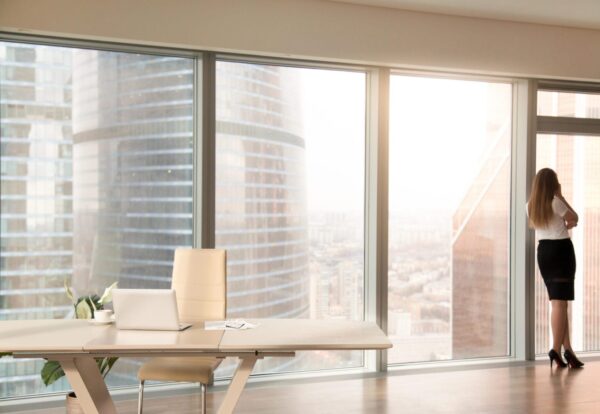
555 356
572 360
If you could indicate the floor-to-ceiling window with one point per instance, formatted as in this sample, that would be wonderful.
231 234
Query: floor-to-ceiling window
290 150
97 186
449 210
96 182
570 144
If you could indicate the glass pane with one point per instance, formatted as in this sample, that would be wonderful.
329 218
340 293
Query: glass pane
575 160
96 182
290 196
578 105
449 196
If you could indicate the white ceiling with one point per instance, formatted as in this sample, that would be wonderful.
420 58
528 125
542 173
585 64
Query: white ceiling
572 13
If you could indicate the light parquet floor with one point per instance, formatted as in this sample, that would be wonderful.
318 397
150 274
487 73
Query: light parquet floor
532 388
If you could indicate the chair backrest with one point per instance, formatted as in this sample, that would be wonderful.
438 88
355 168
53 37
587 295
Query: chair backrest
200 282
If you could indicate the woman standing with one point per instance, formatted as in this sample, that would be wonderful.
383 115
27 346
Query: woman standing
552 217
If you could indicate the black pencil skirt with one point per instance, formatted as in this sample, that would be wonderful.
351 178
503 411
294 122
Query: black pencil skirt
556 260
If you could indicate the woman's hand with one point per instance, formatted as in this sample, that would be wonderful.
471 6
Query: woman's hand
570 224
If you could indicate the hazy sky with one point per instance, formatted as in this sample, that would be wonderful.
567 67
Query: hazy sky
333 106
439 137
438 133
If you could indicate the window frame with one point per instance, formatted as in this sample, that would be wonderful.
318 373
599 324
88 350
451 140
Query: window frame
555 125
524 130
371 359
517 297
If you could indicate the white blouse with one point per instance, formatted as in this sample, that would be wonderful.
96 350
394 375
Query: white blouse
556 228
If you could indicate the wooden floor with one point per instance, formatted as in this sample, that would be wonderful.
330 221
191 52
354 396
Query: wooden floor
532 388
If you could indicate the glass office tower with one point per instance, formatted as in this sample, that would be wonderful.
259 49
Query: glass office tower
36 196
96 181
132 172
261 191
292 225
132 158
480 243
261 216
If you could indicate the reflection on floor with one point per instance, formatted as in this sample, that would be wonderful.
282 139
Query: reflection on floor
531 388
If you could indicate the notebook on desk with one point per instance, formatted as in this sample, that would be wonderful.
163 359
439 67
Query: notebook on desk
147 309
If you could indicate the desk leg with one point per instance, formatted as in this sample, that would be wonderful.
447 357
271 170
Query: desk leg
88 384
238 382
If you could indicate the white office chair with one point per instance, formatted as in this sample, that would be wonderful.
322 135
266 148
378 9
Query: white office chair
200 280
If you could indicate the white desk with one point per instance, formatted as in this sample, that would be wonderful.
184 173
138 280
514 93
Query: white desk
75 344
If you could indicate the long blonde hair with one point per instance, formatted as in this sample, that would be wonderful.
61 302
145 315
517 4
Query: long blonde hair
545 185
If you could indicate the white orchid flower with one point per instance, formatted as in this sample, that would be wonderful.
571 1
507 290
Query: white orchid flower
107 295
71 293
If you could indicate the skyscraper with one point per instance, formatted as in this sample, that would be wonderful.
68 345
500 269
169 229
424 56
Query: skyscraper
133 167
36 217
261 216
132 172
480 245
97 173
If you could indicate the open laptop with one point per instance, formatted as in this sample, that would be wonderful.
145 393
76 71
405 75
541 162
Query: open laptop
147 309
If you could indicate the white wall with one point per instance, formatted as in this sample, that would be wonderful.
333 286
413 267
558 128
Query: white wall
320 30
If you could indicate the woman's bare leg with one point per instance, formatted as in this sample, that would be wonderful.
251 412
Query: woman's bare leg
575 362
567 337
558 318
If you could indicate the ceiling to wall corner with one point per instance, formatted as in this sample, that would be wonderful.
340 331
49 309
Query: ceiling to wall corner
569 13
